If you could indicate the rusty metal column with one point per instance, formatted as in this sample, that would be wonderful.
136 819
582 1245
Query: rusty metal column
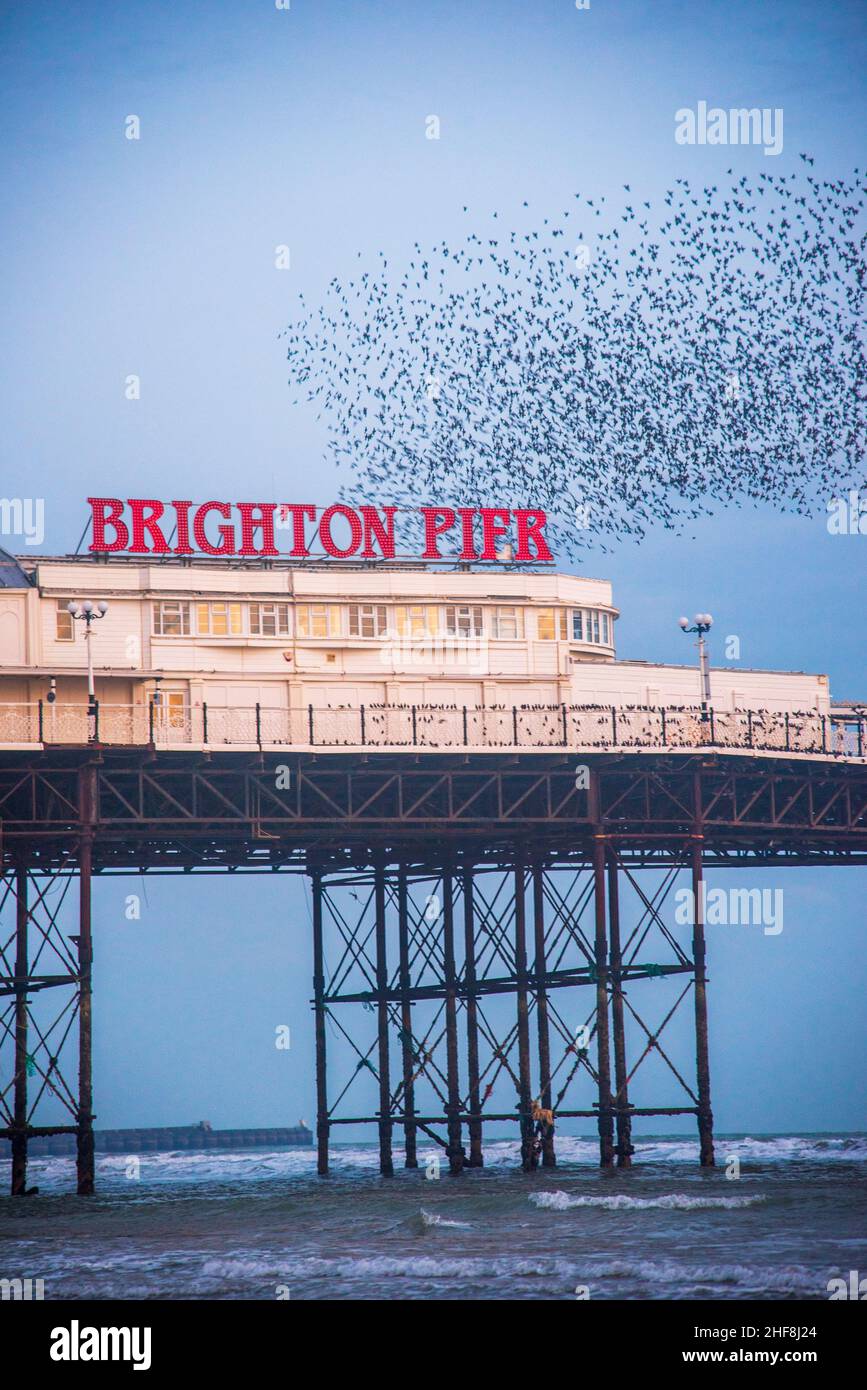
85 1149
606 1120
548 1157
386 1162
409 1127
702 1051
19 1135
455 1148
475 1104
525 1092
319 1023
621 1075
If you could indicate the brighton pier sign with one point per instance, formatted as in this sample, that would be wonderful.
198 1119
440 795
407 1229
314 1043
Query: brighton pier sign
144 526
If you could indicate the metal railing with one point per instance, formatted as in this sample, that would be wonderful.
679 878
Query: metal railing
436 727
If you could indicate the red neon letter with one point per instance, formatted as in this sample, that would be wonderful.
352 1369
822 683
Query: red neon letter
298 514
182 510
107 512
469 549
530 525
226 532
326 538
145 515
490 529
265 522
434 528
375 530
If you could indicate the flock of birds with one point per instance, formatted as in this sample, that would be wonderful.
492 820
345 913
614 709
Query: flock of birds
619 369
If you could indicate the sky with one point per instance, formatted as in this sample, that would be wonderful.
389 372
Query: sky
304 127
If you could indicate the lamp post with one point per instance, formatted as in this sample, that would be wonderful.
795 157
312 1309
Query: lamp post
87 613
703 624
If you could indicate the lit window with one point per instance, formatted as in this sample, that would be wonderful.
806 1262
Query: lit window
65 630
318 620
464 622
269 619
507 623
219 619
416 620
550 622
367 619
577 625
171 618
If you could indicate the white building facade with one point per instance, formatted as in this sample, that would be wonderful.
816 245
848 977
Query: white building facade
208 642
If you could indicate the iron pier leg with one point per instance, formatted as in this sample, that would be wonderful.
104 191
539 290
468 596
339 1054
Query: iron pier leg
548 1157
386 1162
606 1120
85 1148
453 1110
319 1019
525 1094
409 1127
476 1156
621 1099
19 1136
702 1052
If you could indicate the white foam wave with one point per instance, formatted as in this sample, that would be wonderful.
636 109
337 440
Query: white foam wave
676 1201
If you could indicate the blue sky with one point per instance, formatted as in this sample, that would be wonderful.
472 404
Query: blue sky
262 127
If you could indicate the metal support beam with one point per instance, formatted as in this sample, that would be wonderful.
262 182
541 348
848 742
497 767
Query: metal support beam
702 1050
454 1148
19 1136
474 1095
409 1127
386 1162
319 1025
621 1075
525 1085
548 1156
85 1155
600 954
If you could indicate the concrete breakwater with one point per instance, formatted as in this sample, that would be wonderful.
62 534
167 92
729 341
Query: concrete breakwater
131 1141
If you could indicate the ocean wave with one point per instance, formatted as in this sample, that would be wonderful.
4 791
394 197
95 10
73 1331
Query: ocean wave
430 1218
562 1201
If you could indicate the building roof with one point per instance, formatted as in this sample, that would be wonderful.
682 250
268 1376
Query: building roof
12 576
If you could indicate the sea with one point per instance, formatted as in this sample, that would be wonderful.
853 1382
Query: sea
782 1221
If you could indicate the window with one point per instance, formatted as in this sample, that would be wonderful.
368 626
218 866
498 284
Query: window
65 629
367 619
219 619
416 620
507 623
269 619
171 618
550 621
317 620
464 622
591 625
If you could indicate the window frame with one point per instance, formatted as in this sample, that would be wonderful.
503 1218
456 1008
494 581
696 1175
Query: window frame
377 616
62 612
183 616
256 616
475 620
304 618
